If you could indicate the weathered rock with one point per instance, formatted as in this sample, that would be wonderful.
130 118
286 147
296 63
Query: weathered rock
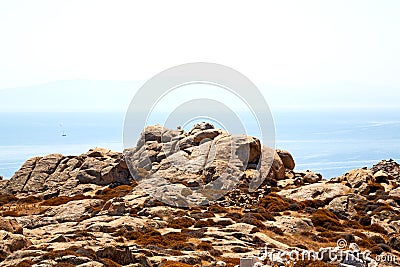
389 167
12 242
132 227
114 207
358 178
105 169
21 177
56 174
122 255
10 225
73 211
292 225
319 191
45 166
201 127
287 159
344 206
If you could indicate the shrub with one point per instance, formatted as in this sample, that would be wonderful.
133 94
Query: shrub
274 203
240 249
81 233
25 263
64 264
201 215
231 262
250 219
109 263
325 219
174 264
10 213
394 242
376 250
57 201
261 214
54 254
365 221
365 241
153 237
29 200
385 247
353 224
377 229
204 223
234 216
275 230
180 223
217 209
315 204
109 193
205 246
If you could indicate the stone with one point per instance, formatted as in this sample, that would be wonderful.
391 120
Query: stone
59 238
344 206
10 225
10 243
209 135
114 207
292 225
381 177
121 256
108 169
358 178
201 127
311 177
287 159
72 211
318 191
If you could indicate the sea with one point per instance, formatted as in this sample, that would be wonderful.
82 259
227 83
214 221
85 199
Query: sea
330 141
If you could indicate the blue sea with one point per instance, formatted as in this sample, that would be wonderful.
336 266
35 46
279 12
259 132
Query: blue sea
329 141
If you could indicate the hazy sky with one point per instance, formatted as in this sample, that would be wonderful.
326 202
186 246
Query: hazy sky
307 51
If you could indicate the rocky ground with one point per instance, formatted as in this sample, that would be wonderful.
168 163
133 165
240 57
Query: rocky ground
89 210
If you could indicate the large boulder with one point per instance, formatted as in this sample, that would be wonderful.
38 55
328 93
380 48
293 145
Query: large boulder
287 159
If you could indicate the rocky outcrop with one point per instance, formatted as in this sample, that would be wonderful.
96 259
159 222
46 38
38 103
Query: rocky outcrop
88 210
56 173
181 168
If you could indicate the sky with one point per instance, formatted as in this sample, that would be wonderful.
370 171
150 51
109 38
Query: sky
300 53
